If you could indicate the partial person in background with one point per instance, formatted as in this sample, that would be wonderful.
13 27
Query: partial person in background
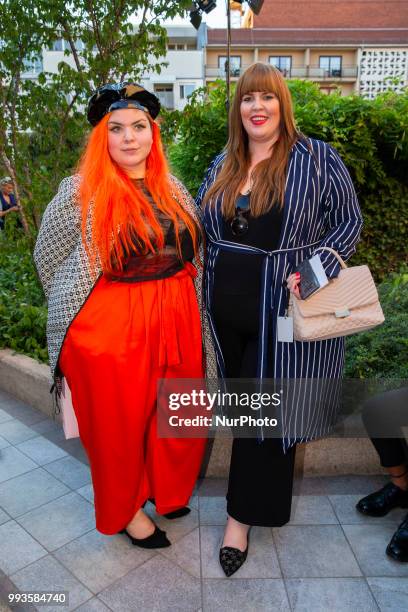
7 200
384 417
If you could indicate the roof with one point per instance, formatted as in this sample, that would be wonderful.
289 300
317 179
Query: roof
333 14
310 36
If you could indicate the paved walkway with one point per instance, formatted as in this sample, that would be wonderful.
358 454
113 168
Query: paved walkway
328 558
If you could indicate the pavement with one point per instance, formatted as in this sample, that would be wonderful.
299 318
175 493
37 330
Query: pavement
328 558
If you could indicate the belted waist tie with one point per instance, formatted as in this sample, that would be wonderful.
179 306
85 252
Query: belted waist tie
266 299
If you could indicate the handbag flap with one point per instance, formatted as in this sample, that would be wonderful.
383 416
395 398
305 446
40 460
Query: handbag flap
353 288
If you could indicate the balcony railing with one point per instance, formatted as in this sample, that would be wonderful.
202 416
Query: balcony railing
345 72
219 73
298 72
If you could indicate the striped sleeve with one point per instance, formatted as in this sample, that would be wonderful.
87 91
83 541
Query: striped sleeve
343 220
208 179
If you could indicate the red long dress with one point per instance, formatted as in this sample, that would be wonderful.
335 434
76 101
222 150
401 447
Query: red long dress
127 336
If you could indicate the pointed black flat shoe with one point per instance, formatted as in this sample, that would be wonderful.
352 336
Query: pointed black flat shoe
157 539
231 559
384 500
176 513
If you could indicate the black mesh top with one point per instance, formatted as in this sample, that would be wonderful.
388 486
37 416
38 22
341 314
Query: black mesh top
161 264
240 273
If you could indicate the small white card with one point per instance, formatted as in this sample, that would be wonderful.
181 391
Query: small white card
318 269
285 329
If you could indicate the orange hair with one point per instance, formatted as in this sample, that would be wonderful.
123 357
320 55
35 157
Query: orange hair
121 214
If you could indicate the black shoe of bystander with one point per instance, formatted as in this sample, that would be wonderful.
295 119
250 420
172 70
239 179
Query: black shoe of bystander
398 547
384 500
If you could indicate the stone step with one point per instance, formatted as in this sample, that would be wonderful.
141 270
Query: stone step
325 457
30 382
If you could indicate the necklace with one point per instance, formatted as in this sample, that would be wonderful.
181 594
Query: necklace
251 184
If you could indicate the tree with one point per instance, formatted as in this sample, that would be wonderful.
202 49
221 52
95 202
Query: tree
42 124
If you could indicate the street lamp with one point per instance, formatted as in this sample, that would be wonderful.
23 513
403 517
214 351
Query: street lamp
255 6
207 6
196 13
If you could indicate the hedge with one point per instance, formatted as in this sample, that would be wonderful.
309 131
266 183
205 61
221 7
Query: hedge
370 135
379 353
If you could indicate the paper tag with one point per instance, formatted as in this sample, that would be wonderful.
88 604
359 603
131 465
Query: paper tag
285 329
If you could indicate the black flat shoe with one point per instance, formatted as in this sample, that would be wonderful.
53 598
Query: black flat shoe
157 539
176 513
231 559
398 546
384 500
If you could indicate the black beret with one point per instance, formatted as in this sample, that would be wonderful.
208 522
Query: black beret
121 95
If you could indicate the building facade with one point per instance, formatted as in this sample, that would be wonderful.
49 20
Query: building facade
183 74
358 46
185 70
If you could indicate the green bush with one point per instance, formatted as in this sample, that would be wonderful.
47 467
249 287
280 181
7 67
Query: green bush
23 314
370 135
383 351
379 353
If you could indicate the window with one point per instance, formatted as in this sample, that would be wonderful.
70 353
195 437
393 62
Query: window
63 45
163 88
282 62
331 65
235 64
33 66
186 90
328 90
171 47
58 45
165 94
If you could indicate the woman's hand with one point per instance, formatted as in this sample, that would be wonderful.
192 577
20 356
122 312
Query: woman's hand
292 283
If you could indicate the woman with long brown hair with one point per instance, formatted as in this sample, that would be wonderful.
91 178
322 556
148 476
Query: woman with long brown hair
270 200
115 255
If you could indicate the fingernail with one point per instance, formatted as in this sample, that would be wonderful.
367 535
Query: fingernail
297 274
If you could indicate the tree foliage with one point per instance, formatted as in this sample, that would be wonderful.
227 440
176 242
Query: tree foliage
42 124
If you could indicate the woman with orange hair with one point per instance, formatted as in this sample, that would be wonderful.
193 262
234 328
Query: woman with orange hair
114 254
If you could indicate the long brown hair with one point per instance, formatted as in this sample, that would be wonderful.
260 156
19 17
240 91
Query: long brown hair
269 175
117 204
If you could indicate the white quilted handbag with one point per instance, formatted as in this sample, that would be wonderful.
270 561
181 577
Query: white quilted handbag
347 305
